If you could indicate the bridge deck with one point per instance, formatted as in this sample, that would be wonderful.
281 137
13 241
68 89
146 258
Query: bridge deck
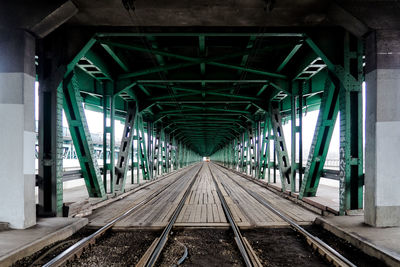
203 207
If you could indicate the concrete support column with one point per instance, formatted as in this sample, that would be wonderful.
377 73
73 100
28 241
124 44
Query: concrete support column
382 193
17 134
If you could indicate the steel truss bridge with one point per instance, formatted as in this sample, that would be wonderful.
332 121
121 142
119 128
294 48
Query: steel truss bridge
223 95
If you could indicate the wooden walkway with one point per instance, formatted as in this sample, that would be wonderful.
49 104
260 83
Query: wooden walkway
202 207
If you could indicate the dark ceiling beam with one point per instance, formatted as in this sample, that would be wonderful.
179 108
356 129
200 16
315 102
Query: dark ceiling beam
342 17
54 19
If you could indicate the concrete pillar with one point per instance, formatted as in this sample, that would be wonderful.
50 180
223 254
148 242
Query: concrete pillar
382 147
17 130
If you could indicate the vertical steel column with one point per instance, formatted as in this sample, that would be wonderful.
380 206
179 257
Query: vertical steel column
301 133
163 147
50 147
251 148
270 138
108 133
137 163
293 141
258 150
142 150
132 164
235 154
242 150
156 153
351 175
174 154
168 152
280 146
126 142
150 135
264 150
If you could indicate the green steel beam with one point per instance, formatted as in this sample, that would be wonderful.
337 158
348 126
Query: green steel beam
97 61
142 148
280 147
206 81
81 137
351 177
118 59
164 68
193 59
179 111
108 135
82 52
289 57
322 137
196 34
126 144
144 89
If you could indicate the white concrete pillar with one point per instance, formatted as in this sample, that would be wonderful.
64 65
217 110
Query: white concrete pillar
17 129
382 146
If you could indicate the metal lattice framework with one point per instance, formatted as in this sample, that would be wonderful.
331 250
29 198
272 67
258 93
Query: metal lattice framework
224 95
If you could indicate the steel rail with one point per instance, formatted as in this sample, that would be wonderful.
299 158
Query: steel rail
84 242
340 258
162 240
235 228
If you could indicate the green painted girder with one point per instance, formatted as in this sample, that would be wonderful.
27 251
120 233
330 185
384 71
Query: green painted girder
144 89
208 88
265 148
208 123
192 108
120 61
192 59
156 154
206 81
108 101
289 57
97 62
126 145
163 146
154 45
351 178
169 103
199 92
81 137
280 147
173 96
249 45
195 61
197 34
71 66
321 140
195 119
142 147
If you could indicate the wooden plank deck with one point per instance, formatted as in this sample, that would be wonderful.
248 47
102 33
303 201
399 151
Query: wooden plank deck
202 207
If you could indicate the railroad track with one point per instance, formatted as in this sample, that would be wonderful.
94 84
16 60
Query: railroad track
323 249
84 243
250 259
151 256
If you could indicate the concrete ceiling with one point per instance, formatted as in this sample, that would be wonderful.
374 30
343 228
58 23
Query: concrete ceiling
202 13
355 15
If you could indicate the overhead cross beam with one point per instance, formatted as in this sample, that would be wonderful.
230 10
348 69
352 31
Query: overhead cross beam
192 59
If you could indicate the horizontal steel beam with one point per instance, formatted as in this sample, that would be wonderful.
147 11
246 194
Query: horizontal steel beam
192 34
